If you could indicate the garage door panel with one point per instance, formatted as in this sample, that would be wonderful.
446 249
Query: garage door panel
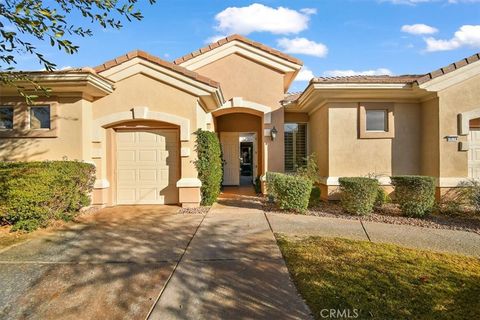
147 167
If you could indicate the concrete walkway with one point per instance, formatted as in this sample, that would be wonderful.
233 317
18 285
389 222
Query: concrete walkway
453 241
232 269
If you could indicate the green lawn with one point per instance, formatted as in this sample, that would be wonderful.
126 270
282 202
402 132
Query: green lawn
382 281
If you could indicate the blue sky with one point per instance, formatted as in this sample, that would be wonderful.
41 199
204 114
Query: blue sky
332 37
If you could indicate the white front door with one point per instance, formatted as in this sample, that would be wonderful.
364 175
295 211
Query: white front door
230 142
147 167
474 153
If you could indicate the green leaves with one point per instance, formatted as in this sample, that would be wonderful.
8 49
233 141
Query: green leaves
49 21
358 194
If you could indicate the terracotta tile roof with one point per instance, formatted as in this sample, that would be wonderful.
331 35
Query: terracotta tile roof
291 96
368 79
451 67
153 59
240 38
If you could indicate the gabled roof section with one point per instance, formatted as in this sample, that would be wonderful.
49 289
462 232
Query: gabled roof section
450 68
240 38
155 60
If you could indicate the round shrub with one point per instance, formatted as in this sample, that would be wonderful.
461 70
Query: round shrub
35 192
414 194
358 194
315 197
290 192
381 198
209 165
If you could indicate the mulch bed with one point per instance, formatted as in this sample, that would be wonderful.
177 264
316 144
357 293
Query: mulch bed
199 210
390 213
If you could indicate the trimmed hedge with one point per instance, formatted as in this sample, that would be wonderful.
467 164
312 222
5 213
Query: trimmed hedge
32 193
209 165
414 194
315 197
358 194
290 192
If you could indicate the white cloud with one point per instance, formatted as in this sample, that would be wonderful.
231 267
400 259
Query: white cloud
414 2
302 46
305 74
215 38
260 18
466 36
349 73
419 28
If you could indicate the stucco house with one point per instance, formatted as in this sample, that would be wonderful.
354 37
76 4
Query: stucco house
135 116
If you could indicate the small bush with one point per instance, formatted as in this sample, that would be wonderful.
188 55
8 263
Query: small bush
358 194
382 197
414 194
35 192
315 197
290 192
258 185
310 170
209 165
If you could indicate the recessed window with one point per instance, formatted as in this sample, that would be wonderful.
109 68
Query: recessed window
40 117
295 145
6 117
377 120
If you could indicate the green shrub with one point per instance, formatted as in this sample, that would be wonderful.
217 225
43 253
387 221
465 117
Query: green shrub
414 194
315 197
310 170
258 185
209 165
358 194
293 192
381 198
271 179
32 193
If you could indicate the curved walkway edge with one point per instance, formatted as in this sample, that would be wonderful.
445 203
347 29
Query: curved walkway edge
443 240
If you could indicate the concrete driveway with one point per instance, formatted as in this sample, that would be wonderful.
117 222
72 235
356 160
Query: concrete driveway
148 262
111 266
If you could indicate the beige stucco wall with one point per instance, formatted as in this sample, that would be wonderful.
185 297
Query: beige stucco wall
430 140
69 141
243 77
350 156
456 99
296 117
318 138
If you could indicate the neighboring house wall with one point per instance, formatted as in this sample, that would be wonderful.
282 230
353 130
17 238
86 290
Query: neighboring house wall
68 141
242 77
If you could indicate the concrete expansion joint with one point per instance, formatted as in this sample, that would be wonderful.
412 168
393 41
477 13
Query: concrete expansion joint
365 230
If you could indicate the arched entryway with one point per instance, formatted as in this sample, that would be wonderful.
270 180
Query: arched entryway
240 131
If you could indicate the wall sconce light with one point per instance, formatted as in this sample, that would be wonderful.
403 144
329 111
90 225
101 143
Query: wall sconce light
273 133
451 138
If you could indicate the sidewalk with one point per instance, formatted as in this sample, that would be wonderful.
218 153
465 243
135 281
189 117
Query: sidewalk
232 269
453 241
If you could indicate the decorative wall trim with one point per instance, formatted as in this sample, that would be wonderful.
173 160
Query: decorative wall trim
185 152
464 121
451 182
189 183
333 181
239 102
101 184
140 113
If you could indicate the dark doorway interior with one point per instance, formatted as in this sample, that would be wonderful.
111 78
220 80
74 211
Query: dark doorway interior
246 162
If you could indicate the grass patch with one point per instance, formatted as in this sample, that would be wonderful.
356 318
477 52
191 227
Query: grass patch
382 281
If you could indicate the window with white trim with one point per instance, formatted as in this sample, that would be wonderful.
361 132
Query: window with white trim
295 145
40 117
6 117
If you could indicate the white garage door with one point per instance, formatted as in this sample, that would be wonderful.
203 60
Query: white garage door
147 167
474 153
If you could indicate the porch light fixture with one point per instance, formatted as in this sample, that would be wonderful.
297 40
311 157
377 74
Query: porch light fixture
273 133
